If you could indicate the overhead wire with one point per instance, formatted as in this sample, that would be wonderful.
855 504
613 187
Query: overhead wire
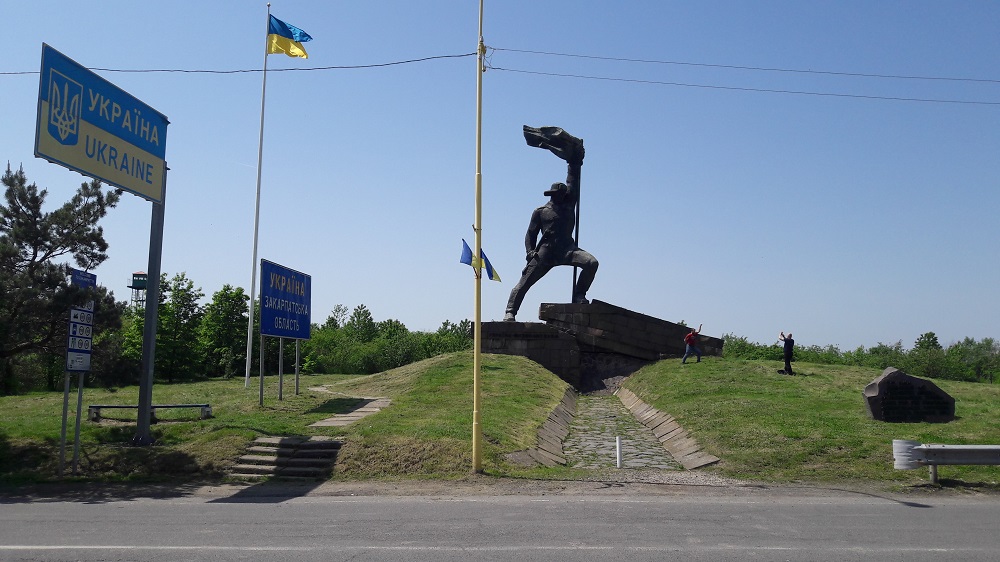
490 66
744 89
253 70
754 68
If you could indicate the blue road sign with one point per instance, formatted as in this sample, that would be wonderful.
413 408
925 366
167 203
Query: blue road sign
81 325
285 300
89 125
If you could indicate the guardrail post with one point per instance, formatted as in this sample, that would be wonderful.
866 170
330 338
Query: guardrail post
910 455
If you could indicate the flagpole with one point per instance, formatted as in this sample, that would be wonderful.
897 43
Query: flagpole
256 211
477 430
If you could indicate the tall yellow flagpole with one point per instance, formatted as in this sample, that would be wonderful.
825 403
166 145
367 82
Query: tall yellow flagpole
477 430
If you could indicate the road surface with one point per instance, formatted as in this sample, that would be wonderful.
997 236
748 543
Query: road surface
579 522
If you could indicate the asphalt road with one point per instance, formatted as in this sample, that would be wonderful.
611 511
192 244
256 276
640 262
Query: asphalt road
581 523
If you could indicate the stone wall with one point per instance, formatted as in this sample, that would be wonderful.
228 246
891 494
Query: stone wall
611 328
555 350
586 344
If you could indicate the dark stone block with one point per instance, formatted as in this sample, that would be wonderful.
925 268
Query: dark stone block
897 397
543 344
624 331
596 367
586 344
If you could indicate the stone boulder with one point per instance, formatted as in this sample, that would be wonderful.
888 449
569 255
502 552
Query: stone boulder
900 398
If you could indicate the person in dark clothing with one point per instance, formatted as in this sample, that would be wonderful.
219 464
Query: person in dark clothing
789 344
691 345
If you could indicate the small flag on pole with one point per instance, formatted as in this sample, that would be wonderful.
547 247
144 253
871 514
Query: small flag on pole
285 38
478 264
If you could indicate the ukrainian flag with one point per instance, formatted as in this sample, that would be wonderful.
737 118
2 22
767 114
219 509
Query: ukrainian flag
284 38
477 264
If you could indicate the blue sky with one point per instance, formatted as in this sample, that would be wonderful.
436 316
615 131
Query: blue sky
710 194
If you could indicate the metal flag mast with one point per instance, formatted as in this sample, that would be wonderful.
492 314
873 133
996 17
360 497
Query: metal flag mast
477 430
256 211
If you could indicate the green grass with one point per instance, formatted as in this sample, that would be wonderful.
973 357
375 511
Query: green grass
424 433
764 426
810 428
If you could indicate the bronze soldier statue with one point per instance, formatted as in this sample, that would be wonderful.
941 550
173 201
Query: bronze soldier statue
555 221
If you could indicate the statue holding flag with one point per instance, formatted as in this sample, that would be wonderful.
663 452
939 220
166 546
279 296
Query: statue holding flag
555 221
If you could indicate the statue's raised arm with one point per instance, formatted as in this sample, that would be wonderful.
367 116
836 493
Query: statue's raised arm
565 146
556 140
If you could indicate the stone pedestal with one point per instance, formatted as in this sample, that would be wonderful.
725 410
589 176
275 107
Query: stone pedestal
587 343
555 350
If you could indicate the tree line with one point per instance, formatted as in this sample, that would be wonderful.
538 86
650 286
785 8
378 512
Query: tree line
193 340
967 360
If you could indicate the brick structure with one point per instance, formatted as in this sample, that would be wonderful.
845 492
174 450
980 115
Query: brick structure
555 350
587 343
897 397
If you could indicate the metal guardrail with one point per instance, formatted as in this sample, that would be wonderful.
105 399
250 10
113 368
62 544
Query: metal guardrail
908 455
94 410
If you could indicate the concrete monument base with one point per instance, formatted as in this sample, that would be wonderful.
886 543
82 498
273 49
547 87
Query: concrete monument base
585 344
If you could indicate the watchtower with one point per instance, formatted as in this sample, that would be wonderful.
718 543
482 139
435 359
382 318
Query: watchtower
138 287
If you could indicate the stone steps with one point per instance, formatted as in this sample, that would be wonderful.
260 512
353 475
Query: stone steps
310 458
682 447
585 436
601 420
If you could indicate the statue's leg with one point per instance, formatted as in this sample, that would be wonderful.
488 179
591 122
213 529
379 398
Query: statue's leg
532 273
588 270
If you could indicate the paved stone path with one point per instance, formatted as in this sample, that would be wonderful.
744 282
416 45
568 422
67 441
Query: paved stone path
591 440
365 407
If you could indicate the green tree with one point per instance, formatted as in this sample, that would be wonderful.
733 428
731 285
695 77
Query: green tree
980 361
928 359
881 356
131 333
394 346
109 366
222 334
927 342
178 351
337 318
361 326
35 294
449 337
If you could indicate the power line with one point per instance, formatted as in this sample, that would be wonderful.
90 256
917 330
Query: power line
245 71
755 68
741 89
490 66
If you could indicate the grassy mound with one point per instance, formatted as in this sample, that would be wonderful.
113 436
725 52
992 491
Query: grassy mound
764 426
426 432
813 427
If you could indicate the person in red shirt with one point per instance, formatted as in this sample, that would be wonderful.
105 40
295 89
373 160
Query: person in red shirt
691 345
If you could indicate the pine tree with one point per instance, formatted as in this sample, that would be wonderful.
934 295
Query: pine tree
35 246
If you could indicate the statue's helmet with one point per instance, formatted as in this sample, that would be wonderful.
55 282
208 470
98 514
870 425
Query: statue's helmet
557 187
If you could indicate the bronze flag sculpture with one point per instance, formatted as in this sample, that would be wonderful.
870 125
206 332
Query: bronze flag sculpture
555 221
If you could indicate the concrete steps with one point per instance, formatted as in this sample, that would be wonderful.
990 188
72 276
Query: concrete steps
674 438
299 458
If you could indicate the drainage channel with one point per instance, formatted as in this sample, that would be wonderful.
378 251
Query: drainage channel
600 424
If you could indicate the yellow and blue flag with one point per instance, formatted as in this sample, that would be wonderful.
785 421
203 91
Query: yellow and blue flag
476 263
285 38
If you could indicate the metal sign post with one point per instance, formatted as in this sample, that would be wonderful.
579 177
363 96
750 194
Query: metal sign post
91 126
285 300
78 349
